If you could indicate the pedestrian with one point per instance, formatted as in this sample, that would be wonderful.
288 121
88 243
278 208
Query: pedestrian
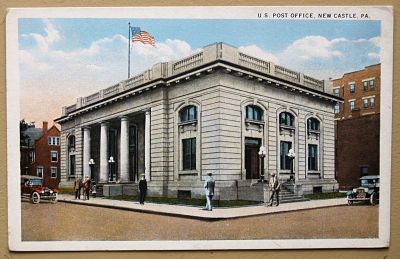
209 186
86 188
275 188
94 187
77 187
142 189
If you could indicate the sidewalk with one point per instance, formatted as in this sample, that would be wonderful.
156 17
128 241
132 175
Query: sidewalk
198 213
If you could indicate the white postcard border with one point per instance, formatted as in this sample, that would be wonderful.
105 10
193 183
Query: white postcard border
383 13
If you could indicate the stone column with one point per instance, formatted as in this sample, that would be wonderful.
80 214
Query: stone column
147 145
124 146
104 152
86 152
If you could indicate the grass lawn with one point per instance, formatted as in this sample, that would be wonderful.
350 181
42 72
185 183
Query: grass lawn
192 202
322 196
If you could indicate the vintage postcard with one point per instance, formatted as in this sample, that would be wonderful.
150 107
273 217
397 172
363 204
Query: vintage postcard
187 128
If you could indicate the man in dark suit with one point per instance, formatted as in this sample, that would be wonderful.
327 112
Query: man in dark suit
275 187
142 189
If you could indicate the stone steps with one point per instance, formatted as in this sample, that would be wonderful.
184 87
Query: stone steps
286 196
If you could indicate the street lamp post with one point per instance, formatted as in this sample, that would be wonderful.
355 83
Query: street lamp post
262 153
111 162
91 164
291 156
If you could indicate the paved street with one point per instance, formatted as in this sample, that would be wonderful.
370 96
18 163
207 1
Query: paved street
65 221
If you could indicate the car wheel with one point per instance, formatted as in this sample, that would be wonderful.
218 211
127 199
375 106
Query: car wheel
35 198
54 200
372 199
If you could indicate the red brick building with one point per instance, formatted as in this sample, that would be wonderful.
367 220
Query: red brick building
357 125
40 154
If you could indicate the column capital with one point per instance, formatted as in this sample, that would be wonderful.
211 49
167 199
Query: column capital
86 127
124 118
104 123
147 111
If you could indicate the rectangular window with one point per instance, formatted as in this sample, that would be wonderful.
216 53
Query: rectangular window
365 103
371 84
189 153
365 84
53 172
352 105
285 161
39 171
364 170
336 91
312 157
31 156
54 156
53 141
72 165
352 88
372 102
337 108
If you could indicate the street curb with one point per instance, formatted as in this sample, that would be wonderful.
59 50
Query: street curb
144 211
207 218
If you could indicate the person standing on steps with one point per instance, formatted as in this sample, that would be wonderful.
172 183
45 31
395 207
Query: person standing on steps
209 186
142 189
275 188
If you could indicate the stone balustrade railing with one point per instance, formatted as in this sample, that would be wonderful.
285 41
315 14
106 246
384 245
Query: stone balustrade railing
187 63
211 53
254 63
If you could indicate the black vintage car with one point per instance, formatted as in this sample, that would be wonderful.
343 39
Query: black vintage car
367 192
33 189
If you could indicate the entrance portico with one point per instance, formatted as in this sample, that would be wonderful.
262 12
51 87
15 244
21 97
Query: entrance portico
121 139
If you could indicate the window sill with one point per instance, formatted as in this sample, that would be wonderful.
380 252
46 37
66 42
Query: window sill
313 172
188 172
286 127
255 122
192 122
285 172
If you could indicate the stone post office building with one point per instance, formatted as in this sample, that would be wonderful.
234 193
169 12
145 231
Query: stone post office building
209 112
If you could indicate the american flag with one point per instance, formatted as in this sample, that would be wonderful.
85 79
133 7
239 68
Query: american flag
142 36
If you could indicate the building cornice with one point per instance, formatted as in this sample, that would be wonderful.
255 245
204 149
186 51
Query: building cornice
216 57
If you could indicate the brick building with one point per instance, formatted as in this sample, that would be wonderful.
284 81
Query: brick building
40 154
357 125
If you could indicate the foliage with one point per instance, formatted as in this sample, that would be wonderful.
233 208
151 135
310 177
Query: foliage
23 125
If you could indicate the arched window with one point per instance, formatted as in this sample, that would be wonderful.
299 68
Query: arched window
71 142
286 119
254 113
188 113
313 124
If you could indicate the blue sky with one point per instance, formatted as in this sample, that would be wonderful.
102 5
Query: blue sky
85 55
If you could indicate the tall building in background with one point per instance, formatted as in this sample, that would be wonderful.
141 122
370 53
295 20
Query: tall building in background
357 125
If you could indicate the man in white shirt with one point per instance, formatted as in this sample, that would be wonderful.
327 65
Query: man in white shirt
275 188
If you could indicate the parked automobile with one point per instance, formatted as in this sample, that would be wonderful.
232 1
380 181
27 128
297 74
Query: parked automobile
367 192
33 189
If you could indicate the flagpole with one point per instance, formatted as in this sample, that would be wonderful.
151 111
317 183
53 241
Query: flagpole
129 50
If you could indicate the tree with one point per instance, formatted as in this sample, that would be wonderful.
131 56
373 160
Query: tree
23 125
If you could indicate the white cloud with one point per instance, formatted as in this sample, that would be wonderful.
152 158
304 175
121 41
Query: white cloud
376 41
256 51
52 36
374 55
311 47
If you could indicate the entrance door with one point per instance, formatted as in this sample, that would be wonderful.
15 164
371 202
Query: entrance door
252 146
